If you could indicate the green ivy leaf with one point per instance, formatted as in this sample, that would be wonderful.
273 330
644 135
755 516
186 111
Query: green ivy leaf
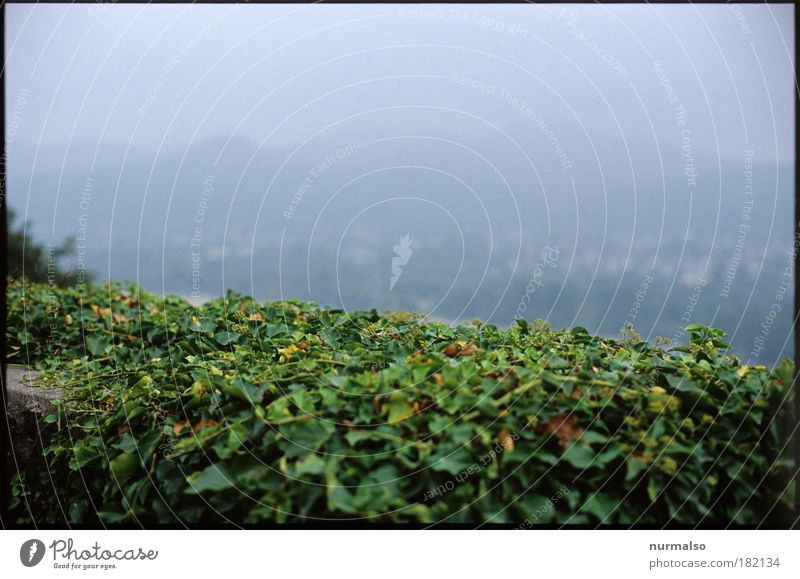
97 345
124 466
213 478
226 338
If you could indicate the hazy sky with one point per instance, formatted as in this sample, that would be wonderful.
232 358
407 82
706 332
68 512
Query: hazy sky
164 75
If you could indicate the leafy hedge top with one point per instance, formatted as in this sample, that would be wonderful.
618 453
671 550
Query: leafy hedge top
248 413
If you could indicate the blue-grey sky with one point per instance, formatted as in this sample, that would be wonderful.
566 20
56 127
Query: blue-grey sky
286 151
152 75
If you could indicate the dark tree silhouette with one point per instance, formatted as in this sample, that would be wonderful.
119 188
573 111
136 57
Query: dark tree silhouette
25 257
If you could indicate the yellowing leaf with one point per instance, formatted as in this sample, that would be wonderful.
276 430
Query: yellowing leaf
398 407
286 353
180 427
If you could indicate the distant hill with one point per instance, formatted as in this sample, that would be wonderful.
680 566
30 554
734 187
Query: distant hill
320 223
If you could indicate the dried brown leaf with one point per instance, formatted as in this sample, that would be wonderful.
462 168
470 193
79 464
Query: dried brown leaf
179 427
460 349
204 424
564 426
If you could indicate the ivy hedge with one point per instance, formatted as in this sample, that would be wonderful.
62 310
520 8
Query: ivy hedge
246 413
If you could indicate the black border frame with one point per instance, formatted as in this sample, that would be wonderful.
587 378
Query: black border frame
793 518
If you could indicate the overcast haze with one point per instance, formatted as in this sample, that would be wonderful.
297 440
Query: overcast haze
287 150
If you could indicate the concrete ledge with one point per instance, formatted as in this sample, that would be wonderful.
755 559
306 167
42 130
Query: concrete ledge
27 405
25 396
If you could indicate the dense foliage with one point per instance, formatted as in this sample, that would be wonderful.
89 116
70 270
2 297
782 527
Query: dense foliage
287 412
